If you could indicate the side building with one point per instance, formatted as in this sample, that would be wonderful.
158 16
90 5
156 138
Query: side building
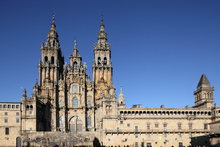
10 124
66 100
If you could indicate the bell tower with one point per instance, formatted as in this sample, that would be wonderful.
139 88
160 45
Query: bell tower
51 63
50 71
102 65
204 94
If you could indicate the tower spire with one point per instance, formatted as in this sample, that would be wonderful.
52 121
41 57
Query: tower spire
203 82
204 93
52 36
102 36
75 50
121 99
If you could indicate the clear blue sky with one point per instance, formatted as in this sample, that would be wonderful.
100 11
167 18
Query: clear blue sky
160 48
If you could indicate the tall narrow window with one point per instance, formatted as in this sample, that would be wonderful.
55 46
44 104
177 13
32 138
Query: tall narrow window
205 126
6 120
148 126
45 59
52 60
6 131
105 61
99 60
88 103
190 126
75 102
179 126
136 129
89 121
75 65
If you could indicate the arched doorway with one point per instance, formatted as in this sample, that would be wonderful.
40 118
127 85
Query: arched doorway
75 124
18 142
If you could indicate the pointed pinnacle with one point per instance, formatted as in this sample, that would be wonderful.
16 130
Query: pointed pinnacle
53 18
102 19
75 44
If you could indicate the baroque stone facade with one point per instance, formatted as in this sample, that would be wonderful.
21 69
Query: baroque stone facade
65 99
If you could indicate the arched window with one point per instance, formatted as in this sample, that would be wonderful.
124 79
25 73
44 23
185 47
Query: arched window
27 107
75 102
52 60
89 122
75 124
105 61
99 60
75 65
45 59
31 107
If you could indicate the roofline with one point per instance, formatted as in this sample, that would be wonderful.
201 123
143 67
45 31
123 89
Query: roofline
10 102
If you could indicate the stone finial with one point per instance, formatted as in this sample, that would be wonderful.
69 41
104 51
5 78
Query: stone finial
24 93
53 18
75 44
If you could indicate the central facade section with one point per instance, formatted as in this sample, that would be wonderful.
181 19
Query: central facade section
65 99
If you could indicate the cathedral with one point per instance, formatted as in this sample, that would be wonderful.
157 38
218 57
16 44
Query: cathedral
65 99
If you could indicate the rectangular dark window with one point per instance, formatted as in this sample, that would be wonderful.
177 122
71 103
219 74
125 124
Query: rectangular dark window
136 129
205 126
6 113
6 120
17 106
136 144
121 122
156 125
128 125
165 125
6 131
17 113
148 126
179 126
17 120
190 126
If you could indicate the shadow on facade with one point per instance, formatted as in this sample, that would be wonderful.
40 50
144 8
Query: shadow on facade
202 141
96 142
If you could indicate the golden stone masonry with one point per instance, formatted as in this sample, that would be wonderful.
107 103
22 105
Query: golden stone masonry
65 101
